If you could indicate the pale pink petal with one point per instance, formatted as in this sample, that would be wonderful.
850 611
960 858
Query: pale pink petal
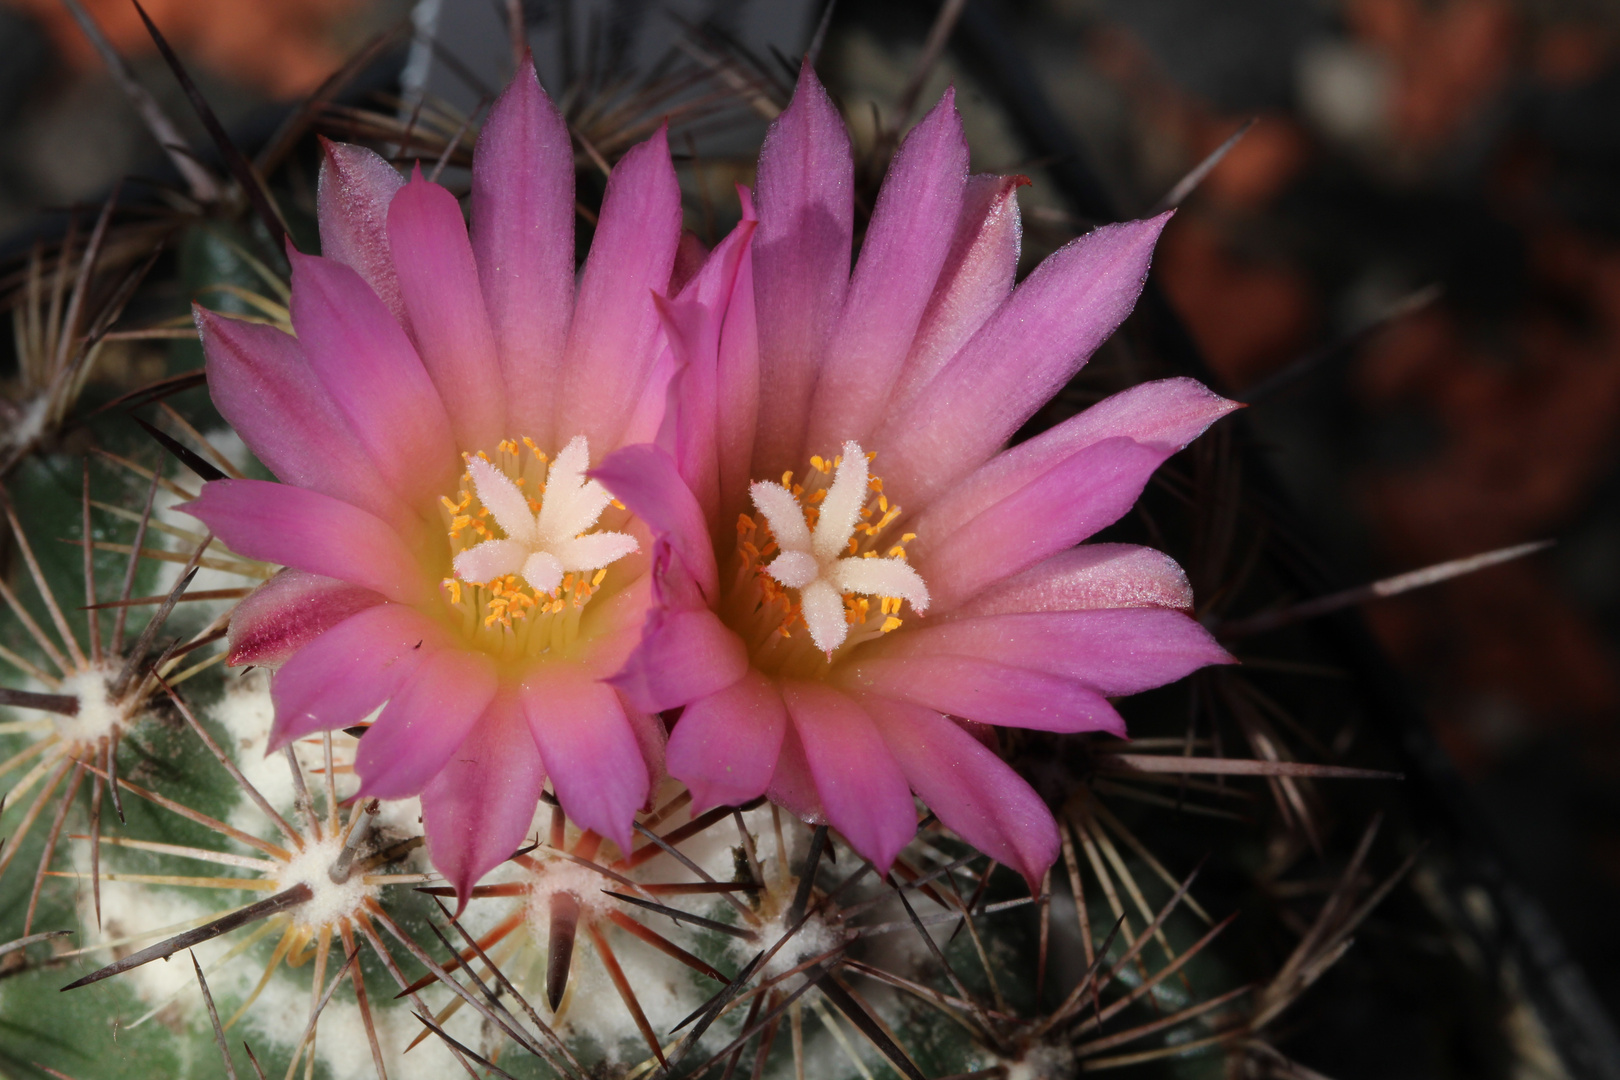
792 787
616 336
589 748
974 793
1166 414
289 526
351 205
1087 577
1115 652
683 656
371 371
725 746
263 387
692 323
1034 344
341 677
737 388
905 245
425 722
646 480
523 239
439 280
1084 493
862 789
288 612
477 811
977 277
685 652
801 263
988 692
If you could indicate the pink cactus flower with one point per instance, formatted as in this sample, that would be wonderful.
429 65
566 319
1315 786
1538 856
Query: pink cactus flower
432 423
837 639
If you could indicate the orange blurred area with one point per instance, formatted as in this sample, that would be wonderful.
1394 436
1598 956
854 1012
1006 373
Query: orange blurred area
281 47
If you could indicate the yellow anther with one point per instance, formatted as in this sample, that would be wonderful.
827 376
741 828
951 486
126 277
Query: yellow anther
908 538
599 577
875 483
897 552
787 479
820 464
883 502
891 624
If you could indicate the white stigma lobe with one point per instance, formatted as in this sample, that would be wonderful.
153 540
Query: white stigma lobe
544 546
818 563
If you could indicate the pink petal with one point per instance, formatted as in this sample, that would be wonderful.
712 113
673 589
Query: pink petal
1167 414
288 612
737 385
911 232
477 811
976 795
990 693
342 676
523 240
368 366
589 747
725 746
1087 577
616 335
693 323
865 795
792 787
685 652
351 204
977 277
264 389
439 280
645 479
1117 652
801 263
1034 344
289 526
1086 492
683 656
427 721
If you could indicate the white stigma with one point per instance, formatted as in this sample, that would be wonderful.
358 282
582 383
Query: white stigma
818 564
544 546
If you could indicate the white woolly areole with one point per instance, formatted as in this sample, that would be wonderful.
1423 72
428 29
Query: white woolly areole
98 716
332 900
817 562
544 546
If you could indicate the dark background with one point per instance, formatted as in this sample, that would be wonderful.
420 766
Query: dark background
1470 145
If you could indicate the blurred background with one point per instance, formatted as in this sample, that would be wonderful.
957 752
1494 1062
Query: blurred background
1409 265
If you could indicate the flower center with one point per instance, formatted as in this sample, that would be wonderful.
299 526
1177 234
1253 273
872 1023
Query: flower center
813 560
523 556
